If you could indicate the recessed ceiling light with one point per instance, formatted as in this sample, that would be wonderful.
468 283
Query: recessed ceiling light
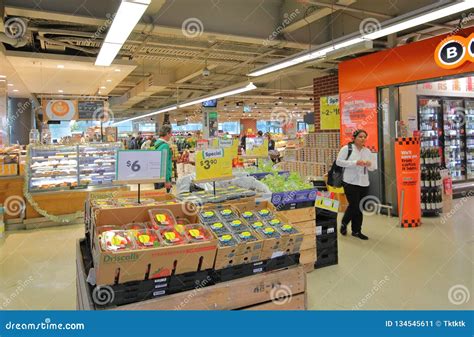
60 66
60 91
102 87
15 90
3 76
117 70
10 84
109 80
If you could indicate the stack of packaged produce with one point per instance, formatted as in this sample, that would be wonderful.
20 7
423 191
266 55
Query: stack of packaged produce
221 195
315 158
294 199
159 247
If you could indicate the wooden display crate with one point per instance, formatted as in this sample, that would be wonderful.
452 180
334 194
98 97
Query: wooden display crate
248 293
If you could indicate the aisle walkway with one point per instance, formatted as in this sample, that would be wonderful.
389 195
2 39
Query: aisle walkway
396 269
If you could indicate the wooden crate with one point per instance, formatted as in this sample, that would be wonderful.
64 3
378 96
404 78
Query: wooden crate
300 214
307 256
309 242
248 293
306 227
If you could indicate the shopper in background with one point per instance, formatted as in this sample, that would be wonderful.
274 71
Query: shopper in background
146 144
243 140
274 154
356 160
132 143
140 140
163 144
260 133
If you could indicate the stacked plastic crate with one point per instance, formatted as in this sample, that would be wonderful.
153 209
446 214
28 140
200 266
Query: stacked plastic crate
326 238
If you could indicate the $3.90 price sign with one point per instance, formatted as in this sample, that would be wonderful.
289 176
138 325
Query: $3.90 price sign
213 164
140 165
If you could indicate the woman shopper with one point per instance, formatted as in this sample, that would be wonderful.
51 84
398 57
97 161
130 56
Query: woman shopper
356 160
163 144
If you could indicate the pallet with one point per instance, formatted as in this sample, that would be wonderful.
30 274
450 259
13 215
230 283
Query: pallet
249 293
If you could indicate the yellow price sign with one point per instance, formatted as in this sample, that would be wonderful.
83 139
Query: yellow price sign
329 113
227 143
257 147
213 164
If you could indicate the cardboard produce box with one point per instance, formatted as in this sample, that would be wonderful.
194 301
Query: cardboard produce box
140 264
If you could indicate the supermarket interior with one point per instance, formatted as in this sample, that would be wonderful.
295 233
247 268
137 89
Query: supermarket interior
236 155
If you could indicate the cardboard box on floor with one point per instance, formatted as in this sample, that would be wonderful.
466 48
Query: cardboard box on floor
139 264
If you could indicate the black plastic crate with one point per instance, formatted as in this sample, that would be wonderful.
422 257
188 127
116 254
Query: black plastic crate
239 271
327 241
283 261
324 214
326 227
189 281
105 296
327 257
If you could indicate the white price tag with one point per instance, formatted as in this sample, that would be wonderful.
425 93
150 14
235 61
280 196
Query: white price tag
140 165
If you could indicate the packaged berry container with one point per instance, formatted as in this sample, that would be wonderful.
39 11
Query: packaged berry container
197 233
116 240
171 237
161 218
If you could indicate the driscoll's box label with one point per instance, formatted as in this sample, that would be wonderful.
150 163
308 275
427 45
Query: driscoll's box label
120 258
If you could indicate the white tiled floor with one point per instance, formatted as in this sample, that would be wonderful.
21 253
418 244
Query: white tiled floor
396 269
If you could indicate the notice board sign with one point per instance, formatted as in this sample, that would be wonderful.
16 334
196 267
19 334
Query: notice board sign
359 111
329 113
256 147
141 166
90 109
407 165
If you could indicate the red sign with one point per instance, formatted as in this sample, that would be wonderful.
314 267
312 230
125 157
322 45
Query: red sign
407 165
359 111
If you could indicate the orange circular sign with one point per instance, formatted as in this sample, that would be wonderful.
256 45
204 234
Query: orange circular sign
451 52
60 108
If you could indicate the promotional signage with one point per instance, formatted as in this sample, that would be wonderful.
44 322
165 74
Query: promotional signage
256 147
59 110
139 165
329 113
453 51
213 164
210 125
407 165
90 109
326 202
227 143
359 111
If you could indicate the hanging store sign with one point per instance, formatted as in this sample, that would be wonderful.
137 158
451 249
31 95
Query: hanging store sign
454 51
213 164
141 165
329 113
59 110
256 147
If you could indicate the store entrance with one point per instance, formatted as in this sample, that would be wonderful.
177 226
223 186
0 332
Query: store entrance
442 110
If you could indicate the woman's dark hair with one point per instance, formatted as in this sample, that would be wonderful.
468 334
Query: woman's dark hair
358 132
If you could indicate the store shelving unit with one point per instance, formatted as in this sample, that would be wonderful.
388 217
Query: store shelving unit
97 164
454 140
469 122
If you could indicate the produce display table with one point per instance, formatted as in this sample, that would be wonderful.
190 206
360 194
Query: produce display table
249 293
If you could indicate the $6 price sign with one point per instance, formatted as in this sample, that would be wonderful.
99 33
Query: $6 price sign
135 166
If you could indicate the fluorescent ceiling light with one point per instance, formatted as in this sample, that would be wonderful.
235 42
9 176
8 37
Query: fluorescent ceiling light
236 91
3 76
387 29
10 84
125 20
15 90
60 66
60 91
107 53
421 19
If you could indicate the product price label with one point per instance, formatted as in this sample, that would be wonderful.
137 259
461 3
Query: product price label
213 164
327 203
140 165
257 147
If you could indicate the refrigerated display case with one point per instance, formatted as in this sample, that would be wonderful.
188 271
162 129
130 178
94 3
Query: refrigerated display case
454 138
430 122
469 122
65 167
97 164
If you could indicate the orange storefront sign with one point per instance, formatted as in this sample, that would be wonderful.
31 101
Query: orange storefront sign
407 165
359 111
409 63
453 51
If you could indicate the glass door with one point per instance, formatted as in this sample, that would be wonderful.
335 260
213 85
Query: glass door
454 139
469 121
